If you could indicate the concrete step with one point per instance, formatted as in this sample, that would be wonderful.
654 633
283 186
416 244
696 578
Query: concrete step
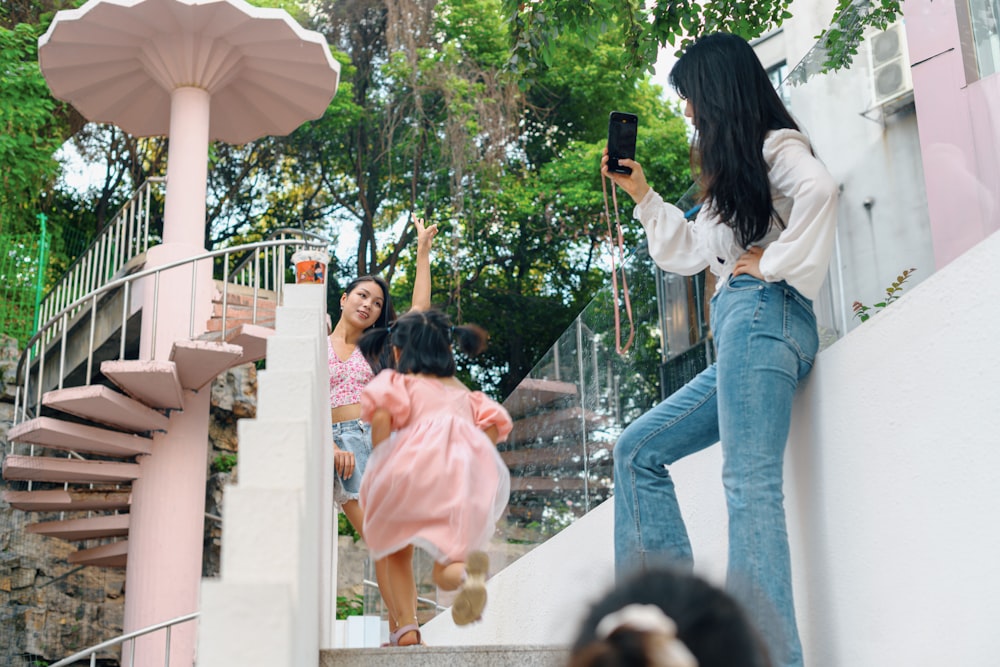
154 383
106 555
447 656
534 393
550 424
58 434
103 405
252 338
69 500
91 528
243 308
74 471
199 361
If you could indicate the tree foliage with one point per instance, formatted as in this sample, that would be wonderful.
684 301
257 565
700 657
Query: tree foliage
427 122
27 138
648 27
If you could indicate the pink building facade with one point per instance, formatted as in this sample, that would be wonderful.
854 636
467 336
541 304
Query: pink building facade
955 61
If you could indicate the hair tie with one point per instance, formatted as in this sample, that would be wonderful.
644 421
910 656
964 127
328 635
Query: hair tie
388 329
649 618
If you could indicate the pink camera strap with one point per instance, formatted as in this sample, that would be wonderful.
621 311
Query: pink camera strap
620 251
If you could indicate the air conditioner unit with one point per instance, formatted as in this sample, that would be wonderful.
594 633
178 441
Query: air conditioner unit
889 65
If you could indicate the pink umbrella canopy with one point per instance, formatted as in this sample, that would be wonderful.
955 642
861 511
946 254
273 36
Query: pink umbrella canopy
117 61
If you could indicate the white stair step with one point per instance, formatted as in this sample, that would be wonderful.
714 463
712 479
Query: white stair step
58 434
75 471
69 500
106 555
104 405
199 361
154 383
95 527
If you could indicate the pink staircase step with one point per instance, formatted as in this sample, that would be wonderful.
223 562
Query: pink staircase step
252 338
199 361
106 555
91 528
75 471
104 405
69 500
243 308
58 434
154 383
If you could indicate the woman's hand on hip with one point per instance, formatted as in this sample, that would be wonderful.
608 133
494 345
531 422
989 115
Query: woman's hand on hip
343 462
634 184
749 263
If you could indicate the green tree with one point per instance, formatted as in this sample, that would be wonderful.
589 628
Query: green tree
27 136
648 27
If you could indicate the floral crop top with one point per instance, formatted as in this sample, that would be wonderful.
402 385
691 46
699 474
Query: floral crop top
347 378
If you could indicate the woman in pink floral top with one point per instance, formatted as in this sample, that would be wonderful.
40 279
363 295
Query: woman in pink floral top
364 304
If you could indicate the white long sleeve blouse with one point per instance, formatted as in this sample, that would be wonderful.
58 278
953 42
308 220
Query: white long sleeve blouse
804 195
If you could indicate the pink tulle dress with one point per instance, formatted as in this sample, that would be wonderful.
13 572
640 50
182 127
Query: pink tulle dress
438 482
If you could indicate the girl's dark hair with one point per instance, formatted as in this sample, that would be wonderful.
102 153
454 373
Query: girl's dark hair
710 623
735 106
424 339
388 313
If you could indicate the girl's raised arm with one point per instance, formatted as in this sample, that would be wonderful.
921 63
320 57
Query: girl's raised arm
422 282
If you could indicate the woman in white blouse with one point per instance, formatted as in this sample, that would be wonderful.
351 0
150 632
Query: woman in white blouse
765 229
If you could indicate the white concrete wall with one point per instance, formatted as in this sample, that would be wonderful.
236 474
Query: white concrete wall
272 605
891 486
875 159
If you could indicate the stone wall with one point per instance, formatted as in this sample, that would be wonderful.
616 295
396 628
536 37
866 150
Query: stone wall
48 608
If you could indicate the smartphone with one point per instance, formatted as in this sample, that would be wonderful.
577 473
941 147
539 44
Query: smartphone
622 128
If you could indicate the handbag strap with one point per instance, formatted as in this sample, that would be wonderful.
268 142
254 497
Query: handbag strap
619 249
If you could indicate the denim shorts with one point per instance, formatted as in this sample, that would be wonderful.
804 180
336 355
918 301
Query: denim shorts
352 436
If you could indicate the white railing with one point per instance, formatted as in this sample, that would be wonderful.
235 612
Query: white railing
264 257
128 637
125 237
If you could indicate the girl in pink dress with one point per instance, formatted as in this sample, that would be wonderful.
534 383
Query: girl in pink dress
434 479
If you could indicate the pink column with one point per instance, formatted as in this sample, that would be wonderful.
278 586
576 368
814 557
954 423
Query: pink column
163 574
187 167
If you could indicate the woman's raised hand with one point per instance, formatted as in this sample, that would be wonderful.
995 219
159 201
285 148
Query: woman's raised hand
634 184
425 235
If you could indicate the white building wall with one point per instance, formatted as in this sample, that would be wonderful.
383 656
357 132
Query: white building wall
884 226
890 484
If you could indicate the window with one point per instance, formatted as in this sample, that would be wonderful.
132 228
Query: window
980 37
777 74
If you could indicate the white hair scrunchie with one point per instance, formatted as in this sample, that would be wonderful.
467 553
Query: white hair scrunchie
649 618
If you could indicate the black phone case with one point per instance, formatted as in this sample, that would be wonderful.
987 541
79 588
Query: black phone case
622 129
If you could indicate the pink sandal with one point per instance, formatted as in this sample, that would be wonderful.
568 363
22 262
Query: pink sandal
394 637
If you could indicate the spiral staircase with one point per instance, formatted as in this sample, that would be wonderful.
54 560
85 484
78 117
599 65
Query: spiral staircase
87 438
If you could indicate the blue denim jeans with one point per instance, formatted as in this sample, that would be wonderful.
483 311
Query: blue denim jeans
353 436
766 341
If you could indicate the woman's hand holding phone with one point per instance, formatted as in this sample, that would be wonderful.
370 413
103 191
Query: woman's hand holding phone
634 184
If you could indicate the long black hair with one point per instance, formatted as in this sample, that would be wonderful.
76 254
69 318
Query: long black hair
735 106
424 339
710 623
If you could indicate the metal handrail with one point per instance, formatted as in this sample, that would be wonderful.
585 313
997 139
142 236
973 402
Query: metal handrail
93 650
126 236
279 234
437 606
62 318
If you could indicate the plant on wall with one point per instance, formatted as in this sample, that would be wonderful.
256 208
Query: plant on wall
863 312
